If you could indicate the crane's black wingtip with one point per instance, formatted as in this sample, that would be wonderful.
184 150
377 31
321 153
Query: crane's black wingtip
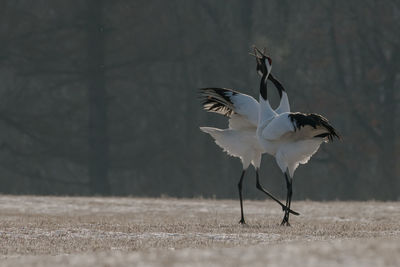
302 119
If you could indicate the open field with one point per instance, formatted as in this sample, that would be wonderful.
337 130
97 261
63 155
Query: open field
79 231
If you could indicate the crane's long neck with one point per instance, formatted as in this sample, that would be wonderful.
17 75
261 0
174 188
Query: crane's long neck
277 84
284 100
266 113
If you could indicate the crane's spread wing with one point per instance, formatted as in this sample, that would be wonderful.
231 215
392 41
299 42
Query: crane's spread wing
299 126
242 109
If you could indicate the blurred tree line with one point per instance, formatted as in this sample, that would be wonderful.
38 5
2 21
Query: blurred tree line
100 96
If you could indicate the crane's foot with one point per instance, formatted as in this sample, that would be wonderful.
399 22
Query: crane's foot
242 221
285 221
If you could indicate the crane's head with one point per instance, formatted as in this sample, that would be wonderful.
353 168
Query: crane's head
264 63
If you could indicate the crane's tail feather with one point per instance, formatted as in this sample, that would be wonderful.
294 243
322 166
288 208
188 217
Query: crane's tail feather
236 143
221 138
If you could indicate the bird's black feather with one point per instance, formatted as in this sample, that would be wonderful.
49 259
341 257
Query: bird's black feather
301 119
218 100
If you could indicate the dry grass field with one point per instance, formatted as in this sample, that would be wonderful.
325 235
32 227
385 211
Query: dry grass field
80 231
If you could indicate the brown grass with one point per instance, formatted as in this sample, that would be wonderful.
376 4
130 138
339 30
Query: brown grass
68 231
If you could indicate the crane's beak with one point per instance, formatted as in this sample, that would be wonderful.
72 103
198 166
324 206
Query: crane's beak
251 54
261 58
258 58
259 51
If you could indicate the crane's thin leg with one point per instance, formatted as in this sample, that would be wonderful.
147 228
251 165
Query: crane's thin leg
242 221
261 188
289 182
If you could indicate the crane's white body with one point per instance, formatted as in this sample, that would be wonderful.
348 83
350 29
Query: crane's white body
255 128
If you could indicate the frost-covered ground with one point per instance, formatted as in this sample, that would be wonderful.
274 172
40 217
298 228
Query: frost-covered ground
78 231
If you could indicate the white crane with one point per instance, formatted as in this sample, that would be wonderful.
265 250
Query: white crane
240 139
291 137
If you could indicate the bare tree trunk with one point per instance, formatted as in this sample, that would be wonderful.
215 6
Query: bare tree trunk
98 106
387 160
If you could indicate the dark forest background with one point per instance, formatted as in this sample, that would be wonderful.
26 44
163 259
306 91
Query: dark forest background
100 97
